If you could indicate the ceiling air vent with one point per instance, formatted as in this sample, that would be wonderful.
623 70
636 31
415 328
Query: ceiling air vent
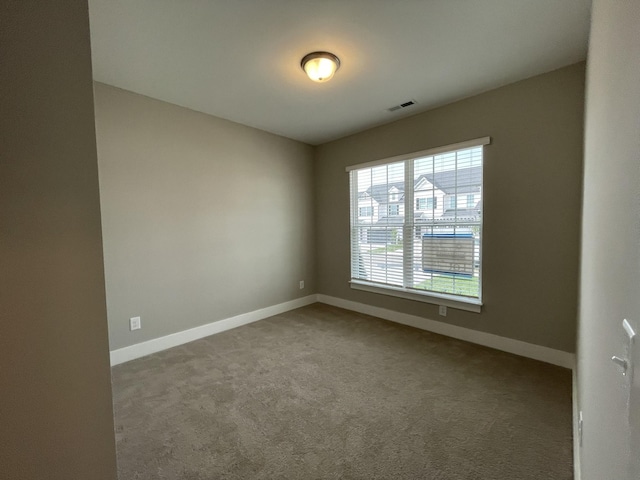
402 105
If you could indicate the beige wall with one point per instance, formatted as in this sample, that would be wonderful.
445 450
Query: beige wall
55 394
532 186
610 266
203 218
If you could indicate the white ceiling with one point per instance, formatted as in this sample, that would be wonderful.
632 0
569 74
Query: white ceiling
240 59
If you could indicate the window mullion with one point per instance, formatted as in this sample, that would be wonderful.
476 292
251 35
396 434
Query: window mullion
407 231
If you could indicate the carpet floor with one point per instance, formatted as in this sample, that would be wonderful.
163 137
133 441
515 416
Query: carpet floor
324 393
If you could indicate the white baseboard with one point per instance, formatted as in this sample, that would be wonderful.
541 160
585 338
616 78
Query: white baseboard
142 349
517 347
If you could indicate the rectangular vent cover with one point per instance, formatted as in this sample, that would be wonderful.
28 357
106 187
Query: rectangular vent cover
402 105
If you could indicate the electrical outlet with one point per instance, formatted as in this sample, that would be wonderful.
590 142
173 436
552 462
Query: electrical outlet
135 323
301 284
442 310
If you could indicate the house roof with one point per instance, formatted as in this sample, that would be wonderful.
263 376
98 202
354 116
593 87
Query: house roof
462 214
381 192
468 180
391 220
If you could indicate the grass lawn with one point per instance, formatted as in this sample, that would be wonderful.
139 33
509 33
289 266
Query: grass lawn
451 284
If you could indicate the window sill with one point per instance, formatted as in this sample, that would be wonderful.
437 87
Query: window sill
452 301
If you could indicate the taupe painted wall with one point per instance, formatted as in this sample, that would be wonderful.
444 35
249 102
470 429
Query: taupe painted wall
610 266
203 218
532 185
56 417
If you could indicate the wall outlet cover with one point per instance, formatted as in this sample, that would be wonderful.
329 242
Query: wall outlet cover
135 323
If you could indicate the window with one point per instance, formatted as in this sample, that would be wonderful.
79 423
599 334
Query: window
365 211
471 200
428 203
433 257
451 202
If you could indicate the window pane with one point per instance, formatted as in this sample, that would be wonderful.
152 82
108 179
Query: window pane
376 238
446 248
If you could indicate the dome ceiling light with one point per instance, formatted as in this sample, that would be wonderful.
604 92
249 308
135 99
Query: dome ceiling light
320 66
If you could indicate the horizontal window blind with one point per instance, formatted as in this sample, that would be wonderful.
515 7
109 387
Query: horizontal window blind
422 230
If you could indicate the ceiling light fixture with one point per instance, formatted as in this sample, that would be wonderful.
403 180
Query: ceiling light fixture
320 66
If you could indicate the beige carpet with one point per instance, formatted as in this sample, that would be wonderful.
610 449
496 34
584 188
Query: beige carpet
323 393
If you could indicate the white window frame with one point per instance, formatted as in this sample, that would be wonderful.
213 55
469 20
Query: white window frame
453 301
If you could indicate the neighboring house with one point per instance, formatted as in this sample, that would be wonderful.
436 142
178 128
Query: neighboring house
429 199
387 201
389 198
435 195
463 201
368 208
